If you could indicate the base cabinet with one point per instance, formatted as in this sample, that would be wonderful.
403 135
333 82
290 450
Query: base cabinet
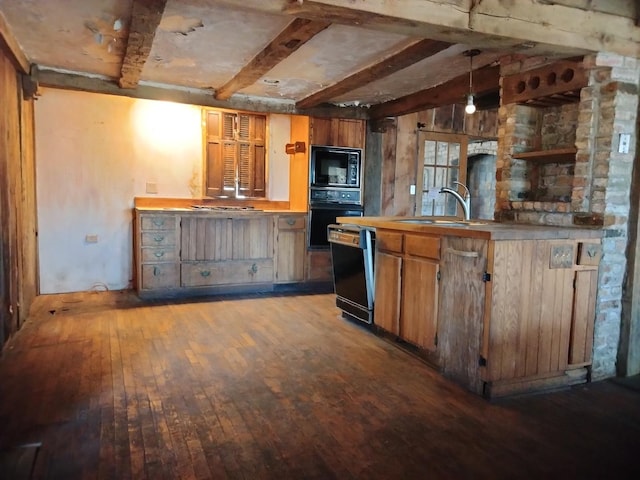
407 287
202 252
499 317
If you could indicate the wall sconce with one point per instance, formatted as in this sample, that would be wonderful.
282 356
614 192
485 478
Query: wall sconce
297 147
470 107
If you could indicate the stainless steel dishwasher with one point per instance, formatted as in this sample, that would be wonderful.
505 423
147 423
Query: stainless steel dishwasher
352 258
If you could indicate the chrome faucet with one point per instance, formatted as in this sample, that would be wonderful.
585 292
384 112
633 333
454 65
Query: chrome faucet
465 201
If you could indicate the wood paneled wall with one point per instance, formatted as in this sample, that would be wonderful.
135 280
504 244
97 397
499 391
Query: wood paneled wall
399 150
18 258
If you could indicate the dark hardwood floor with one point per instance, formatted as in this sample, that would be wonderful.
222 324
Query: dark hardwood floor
278 387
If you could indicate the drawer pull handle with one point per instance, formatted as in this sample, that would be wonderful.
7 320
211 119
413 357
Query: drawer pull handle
158 222
156 271
158 238
462 253
205 273
291 222
159 254
253 269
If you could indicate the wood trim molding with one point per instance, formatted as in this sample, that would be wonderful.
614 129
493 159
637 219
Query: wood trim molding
485 80
296 34
9 43
145 18
396 62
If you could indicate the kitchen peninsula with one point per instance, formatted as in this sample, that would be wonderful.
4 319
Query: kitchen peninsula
499 308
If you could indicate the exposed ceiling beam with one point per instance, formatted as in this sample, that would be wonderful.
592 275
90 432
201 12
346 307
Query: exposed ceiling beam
485 80
145 18
9 43
561 28
197 97
296 34
400 60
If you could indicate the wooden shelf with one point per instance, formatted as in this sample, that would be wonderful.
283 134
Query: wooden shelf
560 155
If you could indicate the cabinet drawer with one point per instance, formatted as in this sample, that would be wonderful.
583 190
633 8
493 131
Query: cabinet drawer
422 246
159 254
158 222
157 239
223 273
291 222
162 275
389 241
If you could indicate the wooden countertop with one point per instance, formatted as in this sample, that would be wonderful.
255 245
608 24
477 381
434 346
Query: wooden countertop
217 211
484 229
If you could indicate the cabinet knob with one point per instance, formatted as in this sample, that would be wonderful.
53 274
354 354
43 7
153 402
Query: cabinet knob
291 222
205 273
158 238
253 269
158 222
156 271
159 254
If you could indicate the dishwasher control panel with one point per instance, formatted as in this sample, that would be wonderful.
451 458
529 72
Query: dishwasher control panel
346 238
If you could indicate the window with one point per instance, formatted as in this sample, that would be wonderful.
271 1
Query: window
442 160
235 155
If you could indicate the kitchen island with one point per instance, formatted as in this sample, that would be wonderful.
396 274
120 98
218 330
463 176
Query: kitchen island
499 308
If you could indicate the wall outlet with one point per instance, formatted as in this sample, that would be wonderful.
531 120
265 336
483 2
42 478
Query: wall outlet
152 187
91 238
412 190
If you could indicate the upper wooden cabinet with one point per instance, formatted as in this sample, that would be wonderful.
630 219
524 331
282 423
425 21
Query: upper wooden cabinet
339 132
236 154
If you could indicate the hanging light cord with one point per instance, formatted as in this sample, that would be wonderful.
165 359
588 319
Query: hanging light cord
470 74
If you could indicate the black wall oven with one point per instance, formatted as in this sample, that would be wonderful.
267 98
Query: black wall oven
325 205
321 216
334 190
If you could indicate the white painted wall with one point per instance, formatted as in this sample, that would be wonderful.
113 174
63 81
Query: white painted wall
94 154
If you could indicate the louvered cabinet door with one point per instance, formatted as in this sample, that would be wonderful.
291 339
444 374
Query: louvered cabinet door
236 154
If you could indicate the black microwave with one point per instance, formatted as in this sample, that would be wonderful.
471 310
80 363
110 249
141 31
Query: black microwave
335 166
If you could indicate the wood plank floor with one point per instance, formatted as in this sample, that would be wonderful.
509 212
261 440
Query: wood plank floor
278 387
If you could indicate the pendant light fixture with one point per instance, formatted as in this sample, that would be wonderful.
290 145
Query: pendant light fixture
470 107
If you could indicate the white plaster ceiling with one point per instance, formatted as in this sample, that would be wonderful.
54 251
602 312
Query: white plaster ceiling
204 43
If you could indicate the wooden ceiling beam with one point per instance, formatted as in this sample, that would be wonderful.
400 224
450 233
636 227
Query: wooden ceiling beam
145 18
396 62
485 80
296 34
198 97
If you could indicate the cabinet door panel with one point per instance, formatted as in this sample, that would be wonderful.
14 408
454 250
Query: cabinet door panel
583 317
291 255
462 306
387 303
419 320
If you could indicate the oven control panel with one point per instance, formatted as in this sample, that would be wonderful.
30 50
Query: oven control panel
335 195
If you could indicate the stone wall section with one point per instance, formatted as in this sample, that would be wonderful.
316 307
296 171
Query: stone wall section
600 180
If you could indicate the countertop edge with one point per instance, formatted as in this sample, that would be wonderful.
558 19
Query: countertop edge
489 230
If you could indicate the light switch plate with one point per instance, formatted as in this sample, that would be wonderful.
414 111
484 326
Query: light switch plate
623 144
